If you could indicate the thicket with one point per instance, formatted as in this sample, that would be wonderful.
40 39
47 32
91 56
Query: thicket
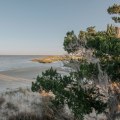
95 83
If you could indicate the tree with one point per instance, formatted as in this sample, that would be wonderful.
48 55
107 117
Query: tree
96 84
75 90
70 42
107 49
111 30
115 9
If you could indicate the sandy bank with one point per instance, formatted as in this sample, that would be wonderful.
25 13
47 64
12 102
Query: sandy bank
51 59
22 77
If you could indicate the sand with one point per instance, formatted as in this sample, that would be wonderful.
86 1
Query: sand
22 77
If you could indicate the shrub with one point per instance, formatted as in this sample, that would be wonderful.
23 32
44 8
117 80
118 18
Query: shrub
67 90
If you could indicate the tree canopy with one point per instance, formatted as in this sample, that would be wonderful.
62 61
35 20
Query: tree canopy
81 89
115 9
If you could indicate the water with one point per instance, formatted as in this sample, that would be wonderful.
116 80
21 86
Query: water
11 62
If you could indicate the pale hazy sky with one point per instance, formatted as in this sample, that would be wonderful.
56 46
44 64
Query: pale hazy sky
39 26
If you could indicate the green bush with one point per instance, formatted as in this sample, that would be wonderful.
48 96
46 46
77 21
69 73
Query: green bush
67 90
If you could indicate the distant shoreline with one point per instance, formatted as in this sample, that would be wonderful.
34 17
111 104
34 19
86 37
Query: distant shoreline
49 59
56 58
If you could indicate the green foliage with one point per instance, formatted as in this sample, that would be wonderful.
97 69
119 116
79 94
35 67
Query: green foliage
87 70
115 9
50 80
70 42
107 49
82 35
105 46
67 90
70 89
81 96
116 19
91 30
111 31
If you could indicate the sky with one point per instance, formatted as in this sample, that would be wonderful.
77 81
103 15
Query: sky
38 27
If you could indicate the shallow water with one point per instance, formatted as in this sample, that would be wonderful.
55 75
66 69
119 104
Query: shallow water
11 62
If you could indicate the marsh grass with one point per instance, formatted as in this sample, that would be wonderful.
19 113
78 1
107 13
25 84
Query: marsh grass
25 116
22 104
19 102
2 100
11 106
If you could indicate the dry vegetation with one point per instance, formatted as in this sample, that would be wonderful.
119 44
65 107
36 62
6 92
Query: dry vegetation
25 116
22 104
2 100
50 59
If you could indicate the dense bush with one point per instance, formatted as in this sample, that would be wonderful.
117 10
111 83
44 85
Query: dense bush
67 90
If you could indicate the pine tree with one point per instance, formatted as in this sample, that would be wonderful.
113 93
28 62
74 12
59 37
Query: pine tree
115 9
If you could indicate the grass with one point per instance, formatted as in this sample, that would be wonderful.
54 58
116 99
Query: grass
25 116
22 104
11 106
2 100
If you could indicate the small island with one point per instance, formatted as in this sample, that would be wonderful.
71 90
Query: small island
55 58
